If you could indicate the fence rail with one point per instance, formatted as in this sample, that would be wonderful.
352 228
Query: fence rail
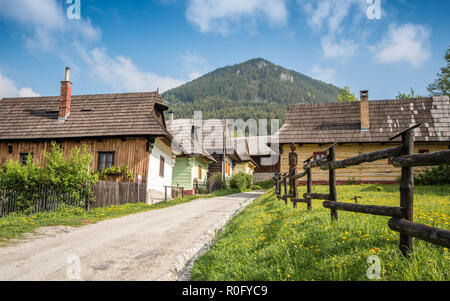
402 216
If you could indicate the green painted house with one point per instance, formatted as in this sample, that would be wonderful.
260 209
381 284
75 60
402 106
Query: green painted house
189 170
192 161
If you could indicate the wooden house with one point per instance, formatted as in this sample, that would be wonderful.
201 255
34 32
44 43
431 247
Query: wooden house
361 127
246 164
265 158
192 161
216 139
119 129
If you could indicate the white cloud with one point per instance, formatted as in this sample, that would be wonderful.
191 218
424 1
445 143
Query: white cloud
123 75
220 16
195 65
343 49
327 75
8 88
407 43
332 18
49 28
328 13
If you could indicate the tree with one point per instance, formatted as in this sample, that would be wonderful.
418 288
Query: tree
345 95
411 94
441 86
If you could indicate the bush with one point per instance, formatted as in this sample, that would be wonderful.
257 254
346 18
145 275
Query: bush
241 181
217 182
66 175
437 175
256 187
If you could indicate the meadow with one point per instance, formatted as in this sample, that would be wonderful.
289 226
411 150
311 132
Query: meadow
273 241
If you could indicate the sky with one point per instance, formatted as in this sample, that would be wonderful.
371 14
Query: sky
384 46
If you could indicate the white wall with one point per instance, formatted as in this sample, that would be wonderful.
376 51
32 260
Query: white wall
155 182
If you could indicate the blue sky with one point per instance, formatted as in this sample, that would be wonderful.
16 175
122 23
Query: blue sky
119 45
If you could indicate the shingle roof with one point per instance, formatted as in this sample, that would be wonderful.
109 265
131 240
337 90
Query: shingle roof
257 145
100 115
183 140
330 122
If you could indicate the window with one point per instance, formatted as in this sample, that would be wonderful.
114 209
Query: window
161 166
319 155
105 160
24 157
199 172
424 151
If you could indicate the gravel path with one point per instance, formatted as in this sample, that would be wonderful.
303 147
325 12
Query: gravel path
154 245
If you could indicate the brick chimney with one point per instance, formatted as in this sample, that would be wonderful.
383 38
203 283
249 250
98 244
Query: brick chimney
364 104
64 102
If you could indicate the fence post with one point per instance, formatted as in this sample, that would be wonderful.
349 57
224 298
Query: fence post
165 193
407 192
294 190
332 183
309 185
285 188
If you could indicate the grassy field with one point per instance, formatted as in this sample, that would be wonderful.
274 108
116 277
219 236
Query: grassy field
15 225
272 241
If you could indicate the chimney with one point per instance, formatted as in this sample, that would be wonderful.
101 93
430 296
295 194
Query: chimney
364 104
170 115
64 102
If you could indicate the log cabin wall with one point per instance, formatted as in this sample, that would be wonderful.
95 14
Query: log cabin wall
375 172
131 152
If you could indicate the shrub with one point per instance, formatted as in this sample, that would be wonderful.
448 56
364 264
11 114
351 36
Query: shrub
66 175
241 181
256 187
437 175
216 181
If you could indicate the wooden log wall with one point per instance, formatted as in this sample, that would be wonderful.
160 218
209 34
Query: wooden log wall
131 152
380 171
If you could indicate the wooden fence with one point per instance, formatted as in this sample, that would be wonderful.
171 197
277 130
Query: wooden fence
401 217
105 193
116 193
40 200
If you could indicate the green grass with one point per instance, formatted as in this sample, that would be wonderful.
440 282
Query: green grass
272 241
15 225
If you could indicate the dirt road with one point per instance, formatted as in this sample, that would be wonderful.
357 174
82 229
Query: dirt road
153 245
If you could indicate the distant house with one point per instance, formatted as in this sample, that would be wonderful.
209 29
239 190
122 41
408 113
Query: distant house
245 164
119 129
361 127
265 158
216 137
192 161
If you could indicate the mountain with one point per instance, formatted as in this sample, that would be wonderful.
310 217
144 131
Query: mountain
255 89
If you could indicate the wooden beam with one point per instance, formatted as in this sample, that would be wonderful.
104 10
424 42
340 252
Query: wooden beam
407 192
300 200
364 158
332 184
368 209
301 175
315 163
436 158
434 235
316 196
